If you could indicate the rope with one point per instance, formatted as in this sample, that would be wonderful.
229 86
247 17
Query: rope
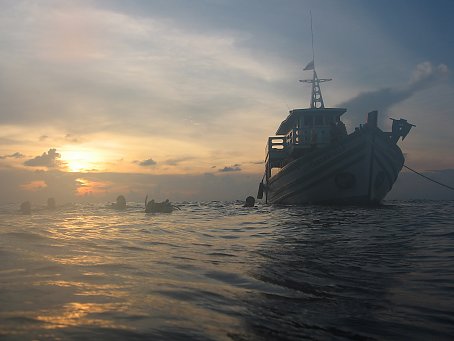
451 188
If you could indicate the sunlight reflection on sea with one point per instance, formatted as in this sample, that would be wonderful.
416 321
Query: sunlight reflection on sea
220 271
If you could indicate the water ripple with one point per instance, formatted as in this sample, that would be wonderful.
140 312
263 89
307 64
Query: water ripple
216 270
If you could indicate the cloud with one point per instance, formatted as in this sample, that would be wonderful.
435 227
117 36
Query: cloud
122 82
176 161
424 76
16 155
147 82
72 138
425 72
34 185
146 163
86 187
51 159
234 168
112 57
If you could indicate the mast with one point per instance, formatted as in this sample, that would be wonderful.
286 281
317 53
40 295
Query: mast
316 94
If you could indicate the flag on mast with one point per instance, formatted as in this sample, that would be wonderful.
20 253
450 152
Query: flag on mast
309 66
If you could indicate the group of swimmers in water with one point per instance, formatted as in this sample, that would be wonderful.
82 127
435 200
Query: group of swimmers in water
120 204
150 206
26 207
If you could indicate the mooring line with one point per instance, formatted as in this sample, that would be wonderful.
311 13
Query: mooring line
426 177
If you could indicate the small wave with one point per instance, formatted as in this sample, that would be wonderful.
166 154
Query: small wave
216 271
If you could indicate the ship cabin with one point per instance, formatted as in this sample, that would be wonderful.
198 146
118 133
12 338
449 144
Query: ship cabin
302 131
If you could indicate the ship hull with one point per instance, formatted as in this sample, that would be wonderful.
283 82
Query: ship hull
361 169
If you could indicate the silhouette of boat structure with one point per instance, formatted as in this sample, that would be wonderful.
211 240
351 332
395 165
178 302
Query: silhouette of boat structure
312 159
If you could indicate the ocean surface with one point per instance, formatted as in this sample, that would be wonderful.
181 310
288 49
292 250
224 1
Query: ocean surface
218 271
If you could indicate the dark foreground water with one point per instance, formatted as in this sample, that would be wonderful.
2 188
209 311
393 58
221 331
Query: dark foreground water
218 271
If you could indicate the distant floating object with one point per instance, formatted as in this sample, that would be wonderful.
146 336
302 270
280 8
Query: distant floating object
26 208
120 204
158 207
51 203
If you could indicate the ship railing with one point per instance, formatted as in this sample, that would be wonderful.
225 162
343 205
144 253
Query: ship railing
298 137
295 136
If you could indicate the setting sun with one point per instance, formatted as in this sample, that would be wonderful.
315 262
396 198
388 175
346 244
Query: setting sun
81 160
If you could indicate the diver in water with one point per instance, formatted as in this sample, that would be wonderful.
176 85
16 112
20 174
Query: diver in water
120 204
26 208
250 202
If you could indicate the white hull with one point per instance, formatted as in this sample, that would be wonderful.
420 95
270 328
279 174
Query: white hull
360 169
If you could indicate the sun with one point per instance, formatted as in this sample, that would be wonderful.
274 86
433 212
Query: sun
81 160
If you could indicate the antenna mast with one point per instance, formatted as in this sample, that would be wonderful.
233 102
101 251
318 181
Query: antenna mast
312 36
316 96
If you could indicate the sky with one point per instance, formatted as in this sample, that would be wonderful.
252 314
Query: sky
176 98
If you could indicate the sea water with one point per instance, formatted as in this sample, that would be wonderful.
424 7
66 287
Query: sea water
219 271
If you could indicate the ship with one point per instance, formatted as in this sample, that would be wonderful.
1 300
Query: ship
313 160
